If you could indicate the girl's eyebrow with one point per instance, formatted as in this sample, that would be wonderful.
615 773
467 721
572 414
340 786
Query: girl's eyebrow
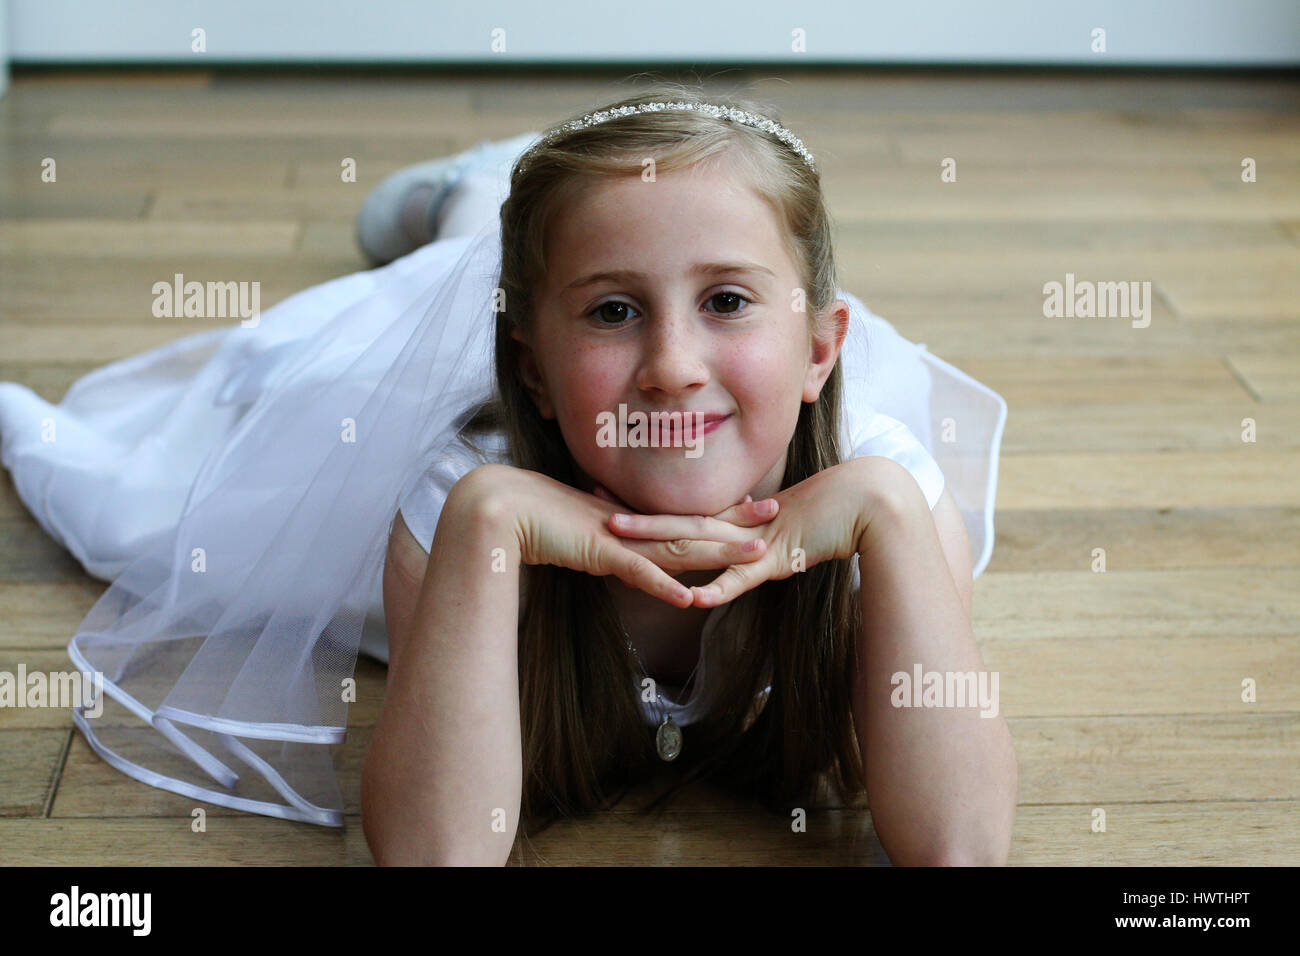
700 268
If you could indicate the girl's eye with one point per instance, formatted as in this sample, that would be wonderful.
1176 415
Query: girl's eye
615 319
730 302
729 296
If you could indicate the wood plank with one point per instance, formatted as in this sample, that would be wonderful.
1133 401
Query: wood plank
1251 477
109 291
29 765
909 95
1158 834
63 238
27 553
989 269
1246 602
246 841
1127 758
982 177
1230 294
339 202
105 343
994 325
1130 676
1144 385
967 200
1145 540
1271 377
84 166
45 615
1091 142
311 172
1037 422
1059 234
265 157
58 201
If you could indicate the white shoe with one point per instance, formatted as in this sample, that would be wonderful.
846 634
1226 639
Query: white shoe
396 219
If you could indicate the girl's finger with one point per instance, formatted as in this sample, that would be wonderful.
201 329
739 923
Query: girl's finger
730 584
688 555
749 512
673 527
637 571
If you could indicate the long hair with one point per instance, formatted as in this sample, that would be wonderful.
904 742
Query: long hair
584 736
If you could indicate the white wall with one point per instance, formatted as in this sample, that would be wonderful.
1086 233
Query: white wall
1138 32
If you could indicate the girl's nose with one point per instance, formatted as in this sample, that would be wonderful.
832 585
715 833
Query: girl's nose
673 357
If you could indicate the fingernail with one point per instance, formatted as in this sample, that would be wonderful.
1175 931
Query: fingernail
621 519
751 545
766 507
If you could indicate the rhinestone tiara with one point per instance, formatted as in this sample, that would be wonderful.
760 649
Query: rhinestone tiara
743 117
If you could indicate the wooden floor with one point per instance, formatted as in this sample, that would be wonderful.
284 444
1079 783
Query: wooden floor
1122 689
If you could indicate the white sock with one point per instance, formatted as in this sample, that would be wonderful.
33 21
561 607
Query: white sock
475 202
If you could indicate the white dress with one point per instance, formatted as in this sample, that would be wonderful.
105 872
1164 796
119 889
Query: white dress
204 672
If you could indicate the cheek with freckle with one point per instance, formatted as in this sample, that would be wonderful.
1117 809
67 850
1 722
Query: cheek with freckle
767 388
590 388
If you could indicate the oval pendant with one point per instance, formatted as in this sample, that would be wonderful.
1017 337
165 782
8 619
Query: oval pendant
668 739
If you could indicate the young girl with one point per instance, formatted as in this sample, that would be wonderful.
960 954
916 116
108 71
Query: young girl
665 257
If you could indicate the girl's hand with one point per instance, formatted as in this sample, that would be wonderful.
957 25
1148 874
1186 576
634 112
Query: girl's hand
702 534
821 518
554 523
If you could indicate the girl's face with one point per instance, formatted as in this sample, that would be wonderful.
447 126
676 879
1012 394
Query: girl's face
676 295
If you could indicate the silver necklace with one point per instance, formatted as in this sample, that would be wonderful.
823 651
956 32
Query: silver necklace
668 738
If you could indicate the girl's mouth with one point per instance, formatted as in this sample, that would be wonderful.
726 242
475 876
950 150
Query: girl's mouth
674 433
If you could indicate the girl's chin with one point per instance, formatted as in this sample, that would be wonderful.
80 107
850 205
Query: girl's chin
674 498
689 502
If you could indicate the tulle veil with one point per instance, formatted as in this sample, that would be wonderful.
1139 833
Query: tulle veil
228 642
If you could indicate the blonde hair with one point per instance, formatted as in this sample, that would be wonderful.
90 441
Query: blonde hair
583 731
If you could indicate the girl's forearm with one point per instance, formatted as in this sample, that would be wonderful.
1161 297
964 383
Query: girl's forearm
941 780
444 769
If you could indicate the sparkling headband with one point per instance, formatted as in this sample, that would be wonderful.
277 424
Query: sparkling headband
719 112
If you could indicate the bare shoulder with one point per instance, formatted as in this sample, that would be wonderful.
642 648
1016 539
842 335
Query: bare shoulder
404 569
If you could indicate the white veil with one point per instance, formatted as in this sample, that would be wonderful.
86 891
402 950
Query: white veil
229 640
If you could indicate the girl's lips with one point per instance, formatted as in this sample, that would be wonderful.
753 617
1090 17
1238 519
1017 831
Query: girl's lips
670 433
711 427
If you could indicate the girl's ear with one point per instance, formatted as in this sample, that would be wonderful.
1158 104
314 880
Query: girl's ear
531 376
827 338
